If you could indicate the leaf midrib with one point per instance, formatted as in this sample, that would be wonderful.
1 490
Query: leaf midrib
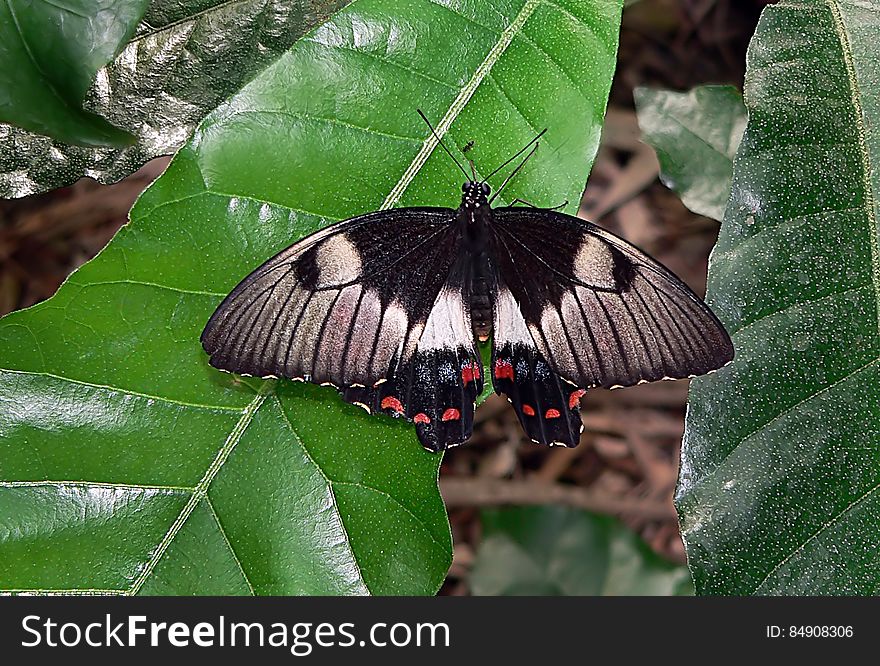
186 19
460 102
864 154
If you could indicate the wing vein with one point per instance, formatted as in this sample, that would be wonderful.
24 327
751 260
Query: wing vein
320 334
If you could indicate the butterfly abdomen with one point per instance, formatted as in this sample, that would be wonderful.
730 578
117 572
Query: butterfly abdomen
480 293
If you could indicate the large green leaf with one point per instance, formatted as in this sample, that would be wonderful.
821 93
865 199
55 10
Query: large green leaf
128 463
561 551
49 54
780 474
184 59
696 134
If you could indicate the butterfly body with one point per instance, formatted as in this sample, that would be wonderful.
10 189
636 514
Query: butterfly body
388 307
481 297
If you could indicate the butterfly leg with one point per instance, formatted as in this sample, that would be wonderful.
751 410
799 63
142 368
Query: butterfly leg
531 205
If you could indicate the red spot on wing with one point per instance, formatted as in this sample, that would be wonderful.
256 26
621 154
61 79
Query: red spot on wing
552 414
451 414
574 398
528 410
503 369
390 402
470 372
421 418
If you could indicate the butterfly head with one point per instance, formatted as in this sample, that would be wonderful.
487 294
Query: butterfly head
474 194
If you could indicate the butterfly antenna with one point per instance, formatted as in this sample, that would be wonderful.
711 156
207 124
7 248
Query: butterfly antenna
515 171
518 153
442 145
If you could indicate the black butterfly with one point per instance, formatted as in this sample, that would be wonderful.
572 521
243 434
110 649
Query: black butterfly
388 307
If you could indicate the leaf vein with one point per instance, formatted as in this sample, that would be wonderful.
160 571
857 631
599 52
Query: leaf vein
557 66
329 483
210 506
49 83
73 10
78 592
786 221
467 18
824 527
116 389
702 481
379 491
791 306
201 489
93 484
144 283
701 139
186 19
329 121
581 22
387 61
516 108
209 192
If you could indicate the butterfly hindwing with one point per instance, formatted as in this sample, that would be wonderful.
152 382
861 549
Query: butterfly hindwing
370 305
602 312
546 404
437 385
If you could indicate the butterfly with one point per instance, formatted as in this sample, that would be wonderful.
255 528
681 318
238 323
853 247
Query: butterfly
389 307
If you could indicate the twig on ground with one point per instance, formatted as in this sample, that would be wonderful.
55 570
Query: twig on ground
557 462
458 492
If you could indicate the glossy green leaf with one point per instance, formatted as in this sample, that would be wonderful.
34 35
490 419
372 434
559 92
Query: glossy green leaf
184 59
696 135
562 551
128 463
780 475
49 54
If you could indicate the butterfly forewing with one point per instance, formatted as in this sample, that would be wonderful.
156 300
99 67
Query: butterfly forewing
339 305
602 312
